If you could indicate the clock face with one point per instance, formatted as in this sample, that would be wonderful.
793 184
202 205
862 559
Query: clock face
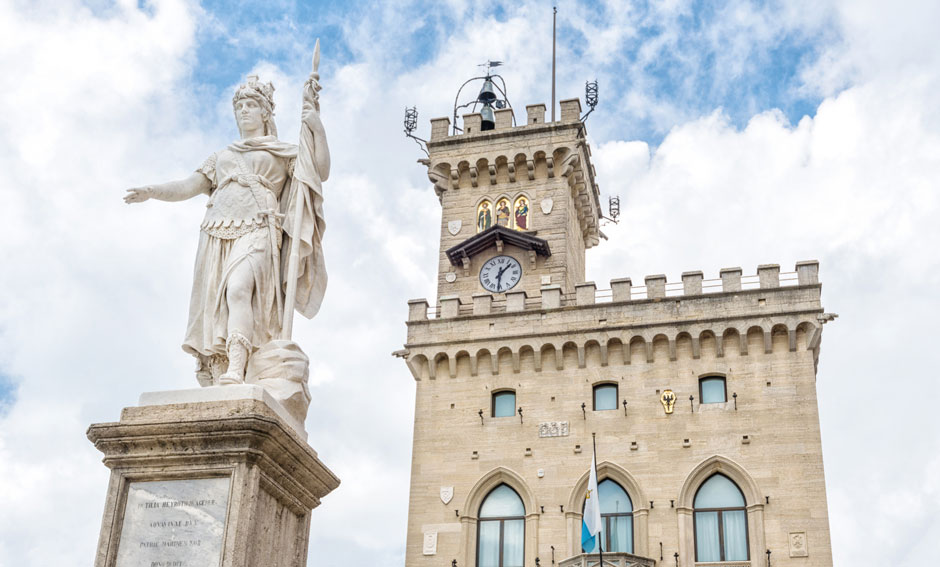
500 274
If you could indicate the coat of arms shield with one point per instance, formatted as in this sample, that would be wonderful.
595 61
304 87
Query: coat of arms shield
453 227
546 205
447 493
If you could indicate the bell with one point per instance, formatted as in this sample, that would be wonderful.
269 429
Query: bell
489 119
487 93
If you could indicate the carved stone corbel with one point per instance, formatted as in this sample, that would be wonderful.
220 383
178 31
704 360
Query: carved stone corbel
550 162
492 174
473 176
466 266
532 256
511 169
530 166
439 181
455 178
499 244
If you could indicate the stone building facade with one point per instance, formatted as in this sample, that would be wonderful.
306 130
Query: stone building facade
551 344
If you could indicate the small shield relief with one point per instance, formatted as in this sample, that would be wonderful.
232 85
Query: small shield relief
547 205
453 227
447 493
668 400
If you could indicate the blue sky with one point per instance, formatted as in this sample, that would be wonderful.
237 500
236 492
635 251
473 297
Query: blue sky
737 133
700 66
7 392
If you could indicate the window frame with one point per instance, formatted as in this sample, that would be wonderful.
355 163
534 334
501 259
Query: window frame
724 383
594 396
502 522
721 524
502 391
605 519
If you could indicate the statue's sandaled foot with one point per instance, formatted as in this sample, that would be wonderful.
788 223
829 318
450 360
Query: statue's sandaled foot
238 349
231 378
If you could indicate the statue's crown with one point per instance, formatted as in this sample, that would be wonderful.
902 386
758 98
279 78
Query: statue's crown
253 86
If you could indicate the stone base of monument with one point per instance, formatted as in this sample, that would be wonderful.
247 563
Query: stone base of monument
217 476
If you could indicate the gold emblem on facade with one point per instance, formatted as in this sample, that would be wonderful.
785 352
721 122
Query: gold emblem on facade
669 400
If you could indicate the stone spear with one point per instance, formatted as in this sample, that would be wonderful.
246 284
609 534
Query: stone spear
293 263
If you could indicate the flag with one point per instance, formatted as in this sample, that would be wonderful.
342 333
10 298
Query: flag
591 521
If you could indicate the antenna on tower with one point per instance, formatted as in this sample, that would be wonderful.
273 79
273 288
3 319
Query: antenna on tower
411 123
590 97
613 210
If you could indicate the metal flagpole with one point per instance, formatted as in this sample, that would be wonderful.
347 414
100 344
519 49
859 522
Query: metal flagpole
600 545
554 17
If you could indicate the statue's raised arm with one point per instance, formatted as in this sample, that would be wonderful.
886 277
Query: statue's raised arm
259 255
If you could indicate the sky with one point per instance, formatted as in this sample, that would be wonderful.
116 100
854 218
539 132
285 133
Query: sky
735 133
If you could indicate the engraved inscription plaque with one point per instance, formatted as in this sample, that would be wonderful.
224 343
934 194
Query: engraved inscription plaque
174 523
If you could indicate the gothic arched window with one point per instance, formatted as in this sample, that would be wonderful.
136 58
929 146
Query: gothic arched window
720 521
501 529
484 216
520 213
616 518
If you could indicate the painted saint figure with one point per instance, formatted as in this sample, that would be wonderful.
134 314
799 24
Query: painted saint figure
263 194
484 217
502 212
522 213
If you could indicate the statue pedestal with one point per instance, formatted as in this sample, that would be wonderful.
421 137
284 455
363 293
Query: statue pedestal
202 478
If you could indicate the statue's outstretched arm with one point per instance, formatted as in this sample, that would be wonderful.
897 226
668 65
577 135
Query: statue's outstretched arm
195 184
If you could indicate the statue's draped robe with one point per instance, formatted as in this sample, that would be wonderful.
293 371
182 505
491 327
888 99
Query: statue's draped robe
237 230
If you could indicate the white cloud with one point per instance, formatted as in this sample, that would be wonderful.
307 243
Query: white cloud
95 292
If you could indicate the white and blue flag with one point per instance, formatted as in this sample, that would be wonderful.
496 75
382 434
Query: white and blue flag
591 523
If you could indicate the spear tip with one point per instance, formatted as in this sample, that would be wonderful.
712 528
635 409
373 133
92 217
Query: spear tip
316 56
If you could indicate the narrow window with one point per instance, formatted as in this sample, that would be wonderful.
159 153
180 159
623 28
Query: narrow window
504 403
616 518
605 397
720 521
711 390
501 533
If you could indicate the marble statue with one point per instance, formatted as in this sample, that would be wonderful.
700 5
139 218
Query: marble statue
259 256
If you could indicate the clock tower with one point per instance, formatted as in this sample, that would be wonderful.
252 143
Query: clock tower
522 198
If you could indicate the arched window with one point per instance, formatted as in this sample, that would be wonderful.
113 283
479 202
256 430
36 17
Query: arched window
503 213
501 533
720 521
605 397
521 213
484 216
711 390
504 403
616 518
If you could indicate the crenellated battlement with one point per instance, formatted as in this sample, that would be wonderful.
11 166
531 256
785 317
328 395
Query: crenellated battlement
659 319
621 290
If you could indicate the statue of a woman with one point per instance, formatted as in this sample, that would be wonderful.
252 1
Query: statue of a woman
263 194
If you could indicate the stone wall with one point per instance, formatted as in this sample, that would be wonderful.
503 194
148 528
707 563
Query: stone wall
765 342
